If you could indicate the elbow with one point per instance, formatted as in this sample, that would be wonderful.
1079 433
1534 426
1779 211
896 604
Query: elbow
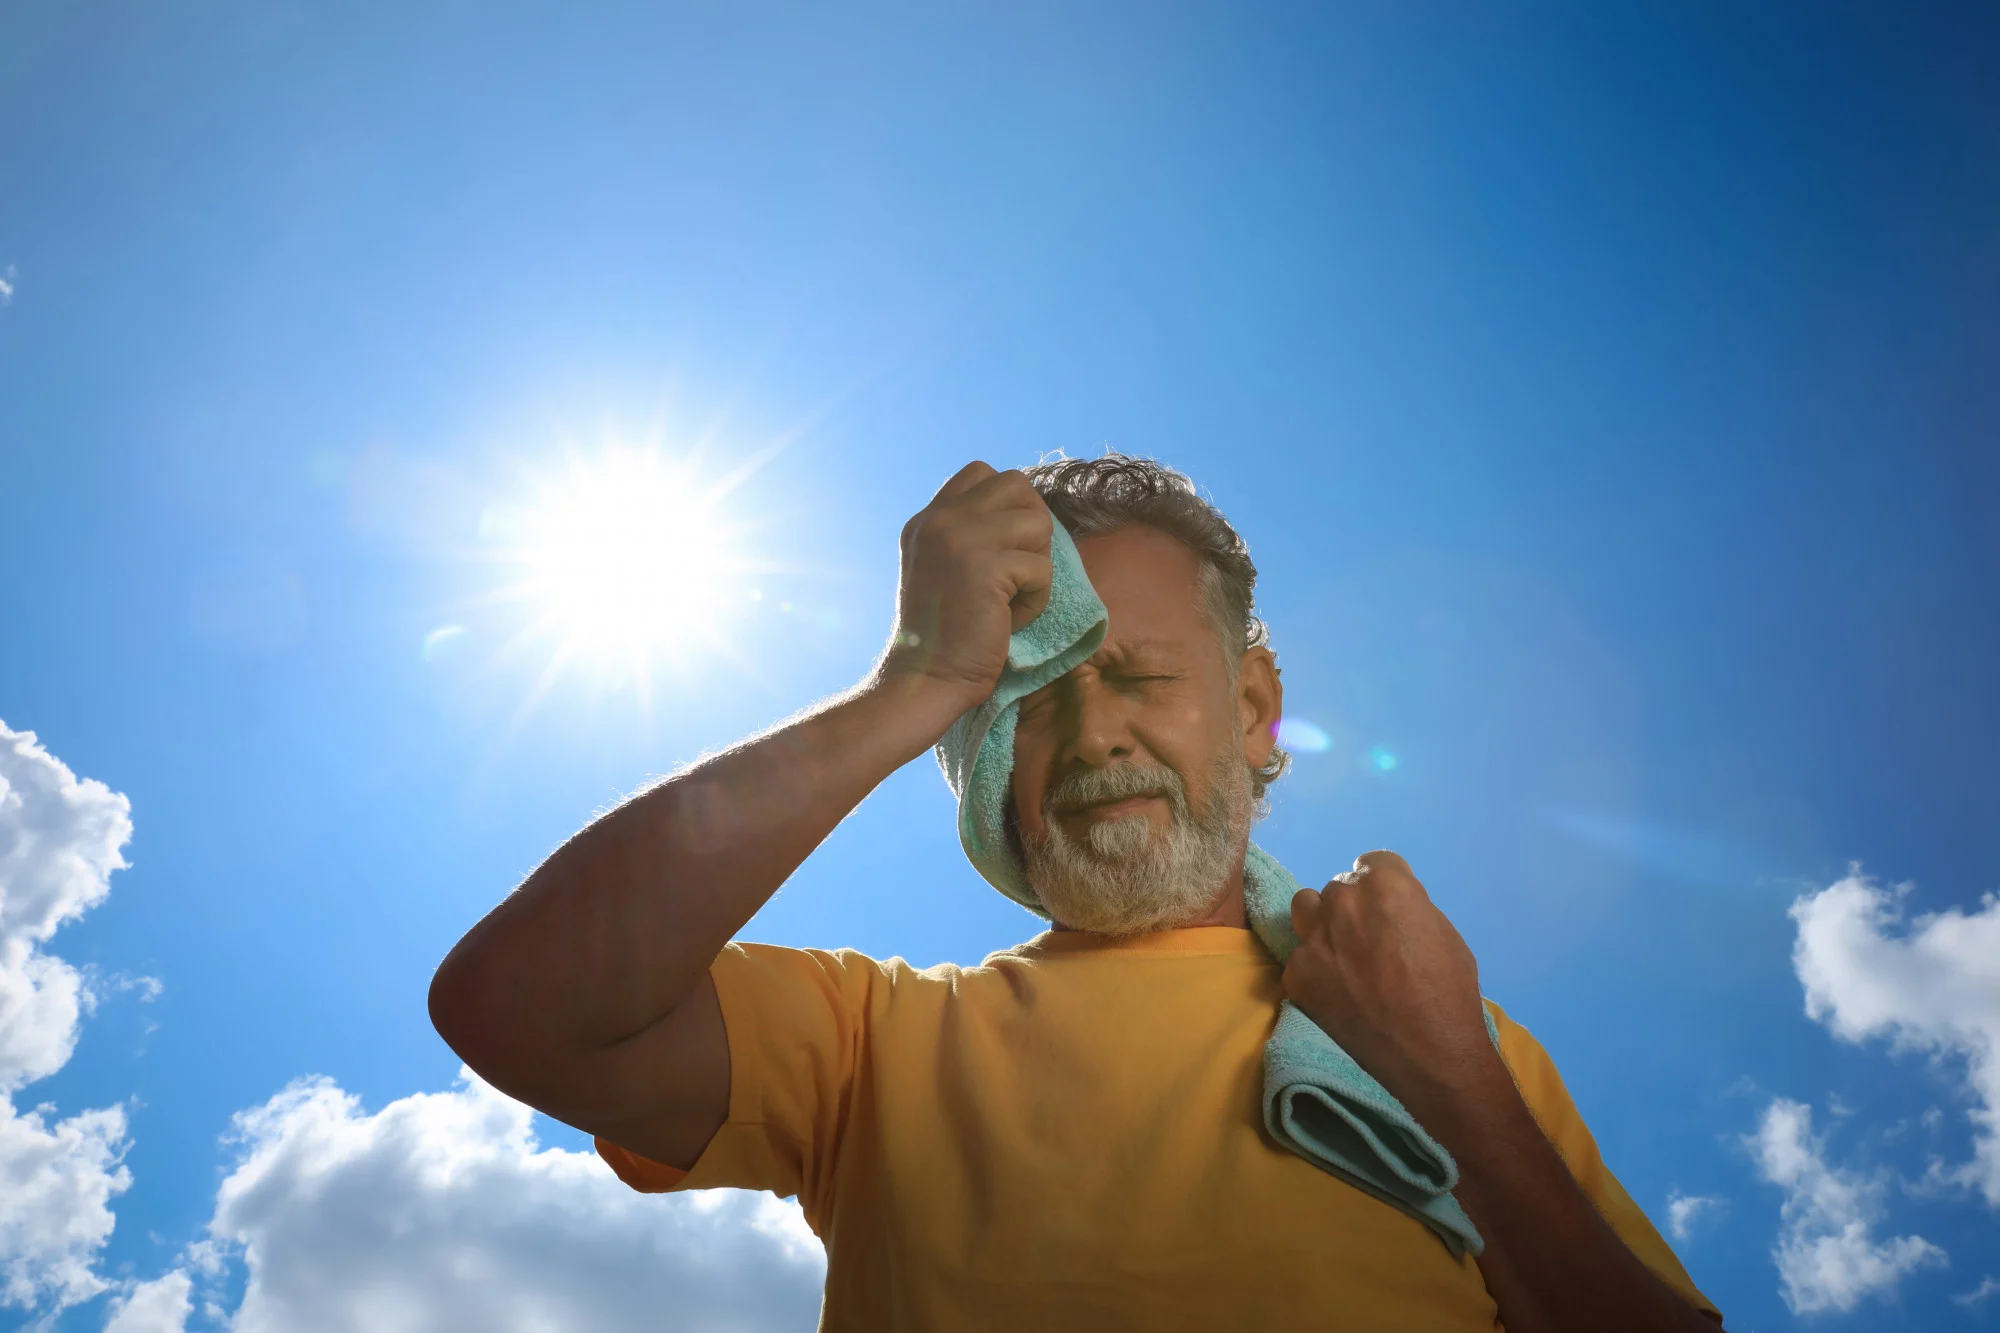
502 1044
443 1005
455 1011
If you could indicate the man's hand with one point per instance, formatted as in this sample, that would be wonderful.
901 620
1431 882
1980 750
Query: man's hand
975 569
1382 970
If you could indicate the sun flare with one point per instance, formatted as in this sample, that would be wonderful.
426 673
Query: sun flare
626 560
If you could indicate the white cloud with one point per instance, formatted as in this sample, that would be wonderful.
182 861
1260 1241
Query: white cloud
1933 986
7 286
1826 1258
60 841
159 1306
1684 1211
55 1212
1988 1288
441 1212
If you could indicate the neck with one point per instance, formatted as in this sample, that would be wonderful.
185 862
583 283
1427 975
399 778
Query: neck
1227 909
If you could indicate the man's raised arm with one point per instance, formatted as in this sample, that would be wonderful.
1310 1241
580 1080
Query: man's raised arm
586 992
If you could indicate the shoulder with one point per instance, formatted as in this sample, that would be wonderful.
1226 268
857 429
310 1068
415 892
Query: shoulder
848 976
1518 1047
1542 1088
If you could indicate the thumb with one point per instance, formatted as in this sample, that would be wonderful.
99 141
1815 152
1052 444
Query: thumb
1028 605
1305 911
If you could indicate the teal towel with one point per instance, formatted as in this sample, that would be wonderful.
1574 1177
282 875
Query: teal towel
1317 1101
977 754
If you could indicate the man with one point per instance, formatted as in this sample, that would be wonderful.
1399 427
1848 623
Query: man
1067 1136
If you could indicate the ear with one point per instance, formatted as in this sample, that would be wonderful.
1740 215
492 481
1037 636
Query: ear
1260 702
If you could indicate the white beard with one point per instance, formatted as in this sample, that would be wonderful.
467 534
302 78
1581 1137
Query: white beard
1123 878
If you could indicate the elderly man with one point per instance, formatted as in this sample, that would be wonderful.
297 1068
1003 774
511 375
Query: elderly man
1067 1136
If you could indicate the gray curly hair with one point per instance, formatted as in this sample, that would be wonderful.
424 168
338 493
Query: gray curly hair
1095 495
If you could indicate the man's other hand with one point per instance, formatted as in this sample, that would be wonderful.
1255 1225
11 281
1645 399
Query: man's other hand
975 569
1383 971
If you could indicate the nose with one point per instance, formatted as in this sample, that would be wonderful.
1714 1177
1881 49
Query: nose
1100 731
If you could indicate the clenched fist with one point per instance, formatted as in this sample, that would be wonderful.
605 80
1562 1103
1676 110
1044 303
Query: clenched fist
1382 970
975 569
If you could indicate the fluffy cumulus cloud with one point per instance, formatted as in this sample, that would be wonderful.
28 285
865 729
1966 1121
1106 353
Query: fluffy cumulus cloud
439 1212
1931 984
60 840
1827 1255
442 1212
159 1306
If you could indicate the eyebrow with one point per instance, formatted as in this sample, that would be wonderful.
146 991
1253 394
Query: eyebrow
1129 648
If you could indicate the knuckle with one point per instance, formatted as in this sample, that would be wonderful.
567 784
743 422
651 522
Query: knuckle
950 541
1384 872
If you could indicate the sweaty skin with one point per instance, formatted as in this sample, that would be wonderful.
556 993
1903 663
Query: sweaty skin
586 992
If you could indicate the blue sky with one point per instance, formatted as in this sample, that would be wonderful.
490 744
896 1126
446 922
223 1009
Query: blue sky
1606 393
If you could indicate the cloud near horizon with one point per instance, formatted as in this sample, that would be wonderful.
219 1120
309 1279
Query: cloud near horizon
61 839
439 1212
442 1212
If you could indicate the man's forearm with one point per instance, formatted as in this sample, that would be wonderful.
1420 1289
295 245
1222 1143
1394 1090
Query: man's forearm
1386 975
1552 1263
618 926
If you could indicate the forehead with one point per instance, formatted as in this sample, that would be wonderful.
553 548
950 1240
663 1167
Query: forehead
1149 583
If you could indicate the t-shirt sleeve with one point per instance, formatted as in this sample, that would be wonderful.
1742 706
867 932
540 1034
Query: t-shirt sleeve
797 1021
1542 1088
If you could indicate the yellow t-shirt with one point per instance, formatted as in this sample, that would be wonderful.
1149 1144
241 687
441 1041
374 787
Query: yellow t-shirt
1070 1136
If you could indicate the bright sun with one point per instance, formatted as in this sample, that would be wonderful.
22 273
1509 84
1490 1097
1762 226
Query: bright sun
625 560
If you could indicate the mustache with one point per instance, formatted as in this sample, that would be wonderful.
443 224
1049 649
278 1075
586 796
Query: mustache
1120 782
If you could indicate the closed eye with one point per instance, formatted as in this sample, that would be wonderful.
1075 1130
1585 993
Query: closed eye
1144 679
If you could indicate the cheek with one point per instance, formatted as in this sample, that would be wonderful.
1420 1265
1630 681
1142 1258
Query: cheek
1186 736
1029 783
1028 808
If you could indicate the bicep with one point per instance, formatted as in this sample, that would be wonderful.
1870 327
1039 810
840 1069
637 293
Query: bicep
748 1083
664 1091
